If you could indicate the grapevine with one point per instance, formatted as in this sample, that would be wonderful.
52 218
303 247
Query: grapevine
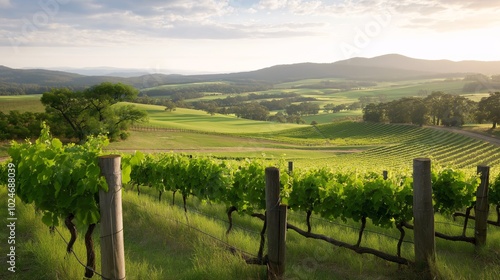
453 191
68 179
62 181
494 196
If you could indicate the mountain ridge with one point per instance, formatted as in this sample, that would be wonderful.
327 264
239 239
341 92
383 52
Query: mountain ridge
380 68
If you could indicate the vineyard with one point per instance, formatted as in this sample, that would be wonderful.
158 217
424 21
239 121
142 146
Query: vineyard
396 144
68 180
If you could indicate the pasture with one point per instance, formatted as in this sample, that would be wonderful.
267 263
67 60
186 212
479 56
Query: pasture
21 103
188 119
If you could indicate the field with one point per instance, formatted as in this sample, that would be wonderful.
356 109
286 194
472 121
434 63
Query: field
342 143
162 242
22 103
188 119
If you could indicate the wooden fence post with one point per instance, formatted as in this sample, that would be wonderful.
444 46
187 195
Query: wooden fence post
482 206
290 167
385 173
276 225
423 215
112 248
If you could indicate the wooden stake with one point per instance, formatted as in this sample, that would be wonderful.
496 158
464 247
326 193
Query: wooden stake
423 215
276 225
112 248
482 206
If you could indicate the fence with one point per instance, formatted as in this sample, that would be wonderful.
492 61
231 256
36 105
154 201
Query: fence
277 225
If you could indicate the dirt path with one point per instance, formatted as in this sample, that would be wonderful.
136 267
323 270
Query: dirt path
471 134
232 149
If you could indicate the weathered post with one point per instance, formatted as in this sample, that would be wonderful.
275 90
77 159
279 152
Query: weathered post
290 167
385 173
482 206
112 248
423 215
276 225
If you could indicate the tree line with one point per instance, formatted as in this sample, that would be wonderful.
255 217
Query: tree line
438 108
76 115
480 82
340 85
17 125
206 87
247 106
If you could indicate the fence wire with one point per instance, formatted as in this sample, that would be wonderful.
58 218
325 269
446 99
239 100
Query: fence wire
78 259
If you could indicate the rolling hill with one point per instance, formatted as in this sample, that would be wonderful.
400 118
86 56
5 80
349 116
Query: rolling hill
382 68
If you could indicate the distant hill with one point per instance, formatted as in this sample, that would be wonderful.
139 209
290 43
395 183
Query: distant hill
382 68
397 61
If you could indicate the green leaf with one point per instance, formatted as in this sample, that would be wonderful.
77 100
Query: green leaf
56 143
47 219
126 174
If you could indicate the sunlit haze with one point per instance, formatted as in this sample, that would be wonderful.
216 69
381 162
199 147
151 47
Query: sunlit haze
210 36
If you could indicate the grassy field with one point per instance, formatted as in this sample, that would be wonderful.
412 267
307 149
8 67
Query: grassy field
386 90
188 119
22 103
161 242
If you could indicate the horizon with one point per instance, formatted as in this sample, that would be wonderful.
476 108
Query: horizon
210 36
129 72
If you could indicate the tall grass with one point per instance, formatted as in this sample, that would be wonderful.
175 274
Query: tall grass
163 242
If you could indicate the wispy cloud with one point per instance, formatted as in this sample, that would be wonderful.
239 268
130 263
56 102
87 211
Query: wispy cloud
119 23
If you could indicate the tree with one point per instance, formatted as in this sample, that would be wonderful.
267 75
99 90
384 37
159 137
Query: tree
438 104
170 105
304 108
279 117
123 117
68 106
374 112
81 114
419 113
103 95
460 110
252 111
16 125
489 109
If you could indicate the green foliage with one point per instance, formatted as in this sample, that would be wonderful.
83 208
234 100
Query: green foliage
345 195
248 191
494 192
437 108
208 179
306 188
489 109
202 177
60 179
453 190
89 113
3 173
385 202
16 125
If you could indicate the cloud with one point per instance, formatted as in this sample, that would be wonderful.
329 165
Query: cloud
66 22
472 4
447 15
4 3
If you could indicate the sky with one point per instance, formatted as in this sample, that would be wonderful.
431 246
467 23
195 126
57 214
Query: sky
222 36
